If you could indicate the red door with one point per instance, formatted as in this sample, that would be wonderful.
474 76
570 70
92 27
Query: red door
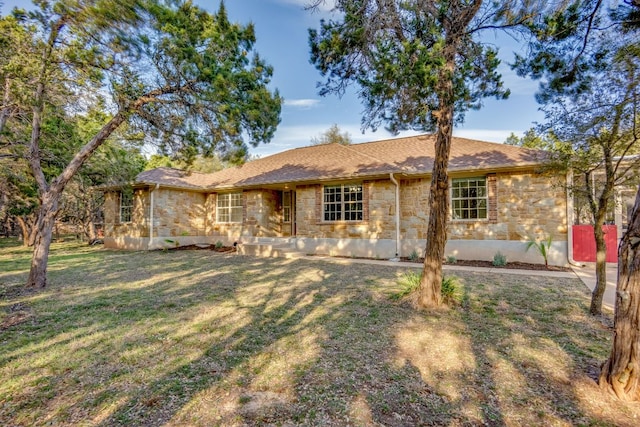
584 243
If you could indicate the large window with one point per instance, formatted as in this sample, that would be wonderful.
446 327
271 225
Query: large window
126 206
229 207
469 198
343 202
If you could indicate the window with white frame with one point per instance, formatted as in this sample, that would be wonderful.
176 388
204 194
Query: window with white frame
126 206
286 206
343 202
229 207
469 198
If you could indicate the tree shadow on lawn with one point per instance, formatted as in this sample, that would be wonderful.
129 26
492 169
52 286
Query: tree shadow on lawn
536 349
198 339
308 347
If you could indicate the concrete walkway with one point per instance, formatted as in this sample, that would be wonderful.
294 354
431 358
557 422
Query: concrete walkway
586 273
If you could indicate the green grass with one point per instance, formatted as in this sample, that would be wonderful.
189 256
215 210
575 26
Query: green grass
204 339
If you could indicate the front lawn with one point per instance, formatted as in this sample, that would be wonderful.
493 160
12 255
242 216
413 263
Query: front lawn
200 338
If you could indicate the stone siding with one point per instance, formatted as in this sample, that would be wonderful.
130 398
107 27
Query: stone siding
521 205
139 225
262 217
178 213
263 213
414 208
378 216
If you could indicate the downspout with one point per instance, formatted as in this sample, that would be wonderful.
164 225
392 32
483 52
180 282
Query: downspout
392 178
570 221
151 215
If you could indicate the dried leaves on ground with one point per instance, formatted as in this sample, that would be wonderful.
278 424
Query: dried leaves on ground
201 338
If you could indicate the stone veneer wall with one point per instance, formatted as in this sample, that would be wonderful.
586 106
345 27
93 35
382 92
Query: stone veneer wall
178 213
414 208
261 213
524 205
139 225
378 219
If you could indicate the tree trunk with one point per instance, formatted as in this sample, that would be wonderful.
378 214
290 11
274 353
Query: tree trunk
620 374
91 230
431 281
24 230
44 229
429 290
28 230
601 269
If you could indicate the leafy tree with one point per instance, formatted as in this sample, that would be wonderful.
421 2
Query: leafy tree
419 65
586 53
570 46
202 164
547 140
331 136
20 197
592 48
178 75
600 125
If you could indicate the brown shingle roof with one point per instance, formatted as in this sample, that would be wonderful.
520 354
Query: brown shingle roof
173 178
410 155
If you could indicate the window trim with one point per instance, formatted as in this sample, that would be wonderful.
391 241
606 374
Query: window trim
229 207
122 207
342 203
286 207
486 198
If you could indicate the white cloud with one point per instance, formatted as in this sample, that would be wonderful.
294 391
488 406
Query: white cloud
301 103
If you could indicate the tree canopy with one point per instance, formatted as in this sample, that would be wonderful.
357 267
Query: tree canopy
418 65
332 135
173 74
587 55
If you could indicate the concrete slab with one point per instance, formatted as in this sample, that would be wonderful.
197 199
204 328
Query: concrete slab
587 274
499 270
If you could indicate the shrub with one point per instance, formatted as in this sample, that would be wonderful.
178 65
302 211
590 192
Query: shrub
542 247
414 256
409 282
499 260
219 244
176 243
450 289
451 259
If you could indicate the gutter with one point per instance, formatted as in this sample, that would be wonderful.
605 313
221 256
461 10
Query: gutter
395 182
570 259
151 214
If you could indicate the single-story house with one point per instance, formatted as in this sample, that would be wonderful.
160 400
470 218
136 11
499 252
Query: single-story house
361 200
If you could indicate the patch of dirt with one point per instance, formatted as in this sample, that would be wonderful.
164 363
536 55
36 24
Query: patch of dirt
18 313
222 249
510 265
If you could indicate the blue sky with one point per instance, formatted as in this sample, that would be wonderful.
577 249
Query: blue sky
281 30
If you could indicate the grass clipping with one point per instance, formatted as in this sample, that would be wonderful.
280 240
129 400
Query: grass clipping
450 289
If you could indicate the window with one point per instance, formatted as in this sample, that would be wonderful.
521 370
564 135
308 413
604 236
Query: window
229 207
286 206
343 202
469 198
126 206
